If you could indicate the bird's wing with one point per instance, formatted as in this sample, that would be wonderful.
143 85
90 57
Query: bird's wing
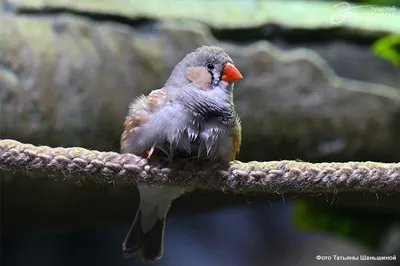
236 138
139 114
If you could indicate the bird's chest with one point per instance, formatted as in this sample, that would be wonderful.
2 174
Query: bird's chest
206 137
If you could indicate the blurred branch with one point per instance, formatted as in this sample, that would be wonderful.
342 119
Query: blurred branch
79 165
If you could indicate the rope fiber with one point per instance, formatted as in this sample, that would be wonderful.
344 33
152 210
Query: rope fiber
79 165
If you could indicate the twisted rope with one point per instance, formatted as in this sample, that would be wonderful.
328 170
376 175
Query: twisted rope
78 164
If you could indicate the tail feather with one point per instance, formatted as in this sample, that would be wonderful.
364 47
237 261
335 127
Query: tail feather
149 244
147 231
132 241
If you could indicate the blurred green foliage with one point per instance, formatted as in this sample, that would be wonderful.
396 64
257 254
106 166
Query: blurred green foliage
373 2
388 48
367 227
381 2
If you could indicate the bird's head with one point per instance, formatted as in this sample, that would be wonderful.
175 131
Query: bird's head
207 67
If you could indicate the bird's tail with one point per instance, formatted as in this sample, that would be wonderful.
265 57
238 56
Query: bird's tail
149 244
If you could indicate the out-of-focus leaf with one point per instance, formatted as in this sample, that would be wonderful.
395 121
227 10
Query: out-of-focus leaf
382 2
363 226
388 48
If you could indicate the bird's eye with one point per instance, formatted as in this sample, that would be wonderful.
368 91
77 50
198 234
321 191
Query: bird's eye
210 66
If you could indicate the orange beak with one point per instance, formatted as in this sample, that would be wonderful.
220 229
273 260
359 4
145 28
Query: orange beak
230 73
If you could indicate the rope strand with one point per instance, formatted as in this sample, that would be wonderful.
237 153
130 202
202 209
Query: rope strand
78 164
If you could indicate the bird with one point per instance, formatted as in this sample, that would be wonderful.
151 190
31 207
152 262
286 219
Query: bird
192 116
